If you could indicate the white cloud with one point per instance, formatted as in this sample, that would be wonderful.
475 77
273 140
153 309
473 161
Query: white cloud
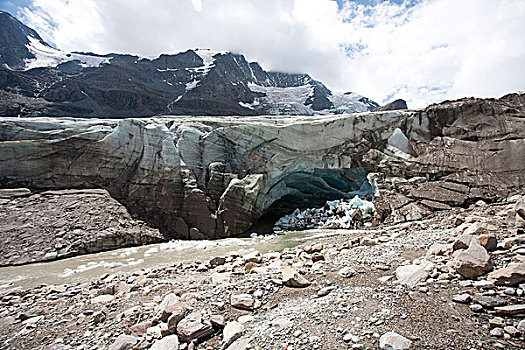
435 50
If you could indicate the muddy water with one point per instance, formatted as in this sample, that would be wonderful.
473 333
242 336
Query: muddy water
89 267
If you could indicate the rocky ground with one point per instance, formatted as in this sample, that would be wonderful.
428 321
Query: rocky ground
454 280
59 224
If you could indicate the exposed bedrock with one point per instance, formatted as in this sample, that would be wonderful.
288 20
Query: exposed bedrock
196 177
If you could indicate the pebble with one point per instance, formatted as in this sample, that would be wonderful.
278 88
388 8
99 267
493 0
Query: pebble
394 341
346 272
242 301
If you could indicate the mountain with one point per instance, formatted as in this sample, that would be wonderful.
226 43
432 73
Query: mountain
37 79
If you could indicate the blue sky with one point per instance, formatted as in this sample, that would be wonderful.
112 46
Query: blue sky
12 6
421 50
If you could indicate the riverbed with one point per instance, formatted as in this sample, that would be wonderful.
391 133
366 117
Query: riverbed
128 260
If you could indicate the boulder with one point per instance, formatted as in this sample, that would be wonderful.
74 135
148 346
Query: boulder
489 241
413 274
242 301
231 332
512 275
462 242
124 342
473 262
171 342
194 327
292 278
168 305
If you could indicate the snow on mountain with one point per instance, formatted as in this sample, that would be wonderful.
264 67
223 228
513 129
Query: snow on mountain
46 56
347 102
207 56
192 84
284 100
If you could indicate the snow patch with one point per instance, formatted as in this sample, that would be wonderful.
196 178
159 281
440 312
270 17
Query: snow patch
207 55
288 100
167 69
192 85
346 102
252 105
46 56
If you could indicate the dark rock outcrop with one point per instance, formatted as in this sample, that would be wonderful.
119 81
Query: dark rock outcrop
393 106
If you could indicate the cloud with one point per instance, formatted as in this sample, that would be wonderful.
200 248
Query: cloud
423 51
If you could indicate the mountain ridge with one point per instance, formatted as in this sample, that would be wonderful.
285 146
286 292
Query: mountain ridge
37 79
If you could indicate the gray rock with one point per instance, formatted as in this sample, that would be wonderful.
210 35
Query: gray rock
242 301
217 321
511 309
292 278
193 327
497 332
394 341
488 302
124 342
496 322
231 332
473 262
512 331
346 272
476 307
512 275
325 291
463 242
170 303
462 298
413 274
171 342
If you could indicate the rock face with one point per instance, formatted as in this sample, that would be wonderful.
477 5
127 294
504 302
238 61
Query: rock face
210 177
38 80
59 224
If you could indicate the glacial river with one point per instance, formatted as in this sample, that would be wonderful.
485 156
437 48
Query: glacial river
90 267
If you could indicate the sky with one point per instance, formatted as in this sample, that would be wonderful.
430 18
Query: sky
423 51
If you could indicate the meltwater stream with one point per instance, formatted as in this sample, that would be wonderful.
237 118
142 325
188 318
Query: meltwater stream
126 260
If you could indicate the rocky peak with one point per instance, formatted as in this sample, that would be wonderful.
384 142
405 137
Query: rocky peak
394 105
14 39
